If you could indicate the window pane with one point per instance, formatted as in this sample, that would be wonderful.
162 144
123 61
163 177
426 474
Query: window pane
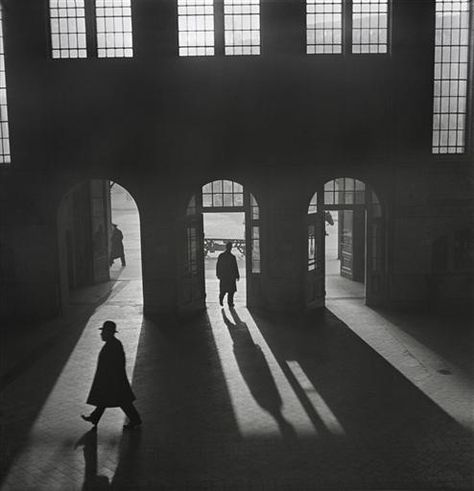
324 26
5 157
222 193
196 27
114 28
369 26
313 205
450 75
242 27
67 24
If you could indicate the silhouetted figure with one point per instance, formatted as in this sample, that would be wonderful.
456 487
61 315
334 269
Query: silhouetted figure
228 273
91 479
111 387
117 250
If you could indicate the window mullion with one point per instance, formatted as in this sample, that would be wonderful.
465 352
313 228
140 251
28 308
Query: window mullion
219 26
347 26
91 28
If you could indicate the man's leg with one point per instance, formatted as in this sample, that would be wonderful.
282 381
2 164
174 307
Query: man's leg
221 298
230 299
122 258
95 415
132 414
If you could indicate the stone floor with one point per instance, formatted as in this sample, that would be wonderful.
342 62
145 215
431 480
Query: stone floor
352 398
349 399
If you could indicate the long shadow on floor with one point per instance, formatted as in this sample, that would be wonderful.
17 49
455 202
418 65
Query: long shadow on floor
411 438
92 480
26 385
184 403
394 436
255 371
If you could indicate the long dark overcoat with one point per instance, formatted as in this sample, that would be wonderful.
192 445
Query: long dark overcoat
111 387
227 272
116 242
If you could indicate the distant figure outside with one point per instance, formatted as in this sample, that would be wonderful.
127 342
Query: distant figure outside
228 273
117 245
111 387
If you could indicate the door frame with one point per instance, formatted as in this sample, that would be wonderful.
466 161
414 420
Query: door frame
374 295
253 279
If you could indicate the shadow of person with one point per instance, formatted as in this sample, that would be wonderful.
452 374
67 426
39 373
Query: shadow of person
91 480
129 461
257 375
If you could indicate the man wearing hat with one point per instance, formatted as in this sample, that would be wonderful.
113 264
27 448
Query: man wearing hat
111 387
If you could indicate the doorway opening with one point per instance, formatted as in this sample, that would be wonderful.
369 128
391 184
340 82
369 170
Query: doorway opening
222 211
219 229
125 216
346 246
345 253
86 218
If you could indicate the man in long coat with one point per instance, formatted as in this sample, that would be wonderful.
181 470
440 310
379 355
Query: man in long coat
111 387
116 245
228 273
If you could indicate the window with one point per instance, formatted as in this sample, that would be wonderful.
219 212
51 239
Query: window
222 194
114 28
68 29
311 247
242 27
313 205
311 234
255 234
196 27
5 157
344 191
369 26
450 76
323 26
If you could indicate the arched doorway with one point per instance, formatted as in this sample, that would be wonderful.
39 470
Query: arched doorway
222 197
85 224
346 244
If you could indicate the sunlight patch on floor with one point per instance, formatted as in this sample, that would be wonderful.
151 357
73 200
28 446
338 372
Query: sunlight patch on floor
322 409
263 400
453 393
51 456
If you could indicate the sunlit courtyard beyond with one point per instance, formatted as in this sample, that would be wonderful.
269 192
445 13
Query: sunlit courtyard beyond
219 229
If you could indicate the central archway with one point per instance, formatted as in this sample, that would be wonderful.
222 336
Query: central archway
223 197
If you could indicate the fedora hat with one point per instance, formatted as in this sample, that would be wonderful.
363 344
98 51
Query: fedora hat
109 326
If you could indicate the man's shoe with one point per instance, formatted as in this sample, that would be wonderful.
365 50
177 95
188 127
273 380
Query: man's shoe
131 426
89 419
